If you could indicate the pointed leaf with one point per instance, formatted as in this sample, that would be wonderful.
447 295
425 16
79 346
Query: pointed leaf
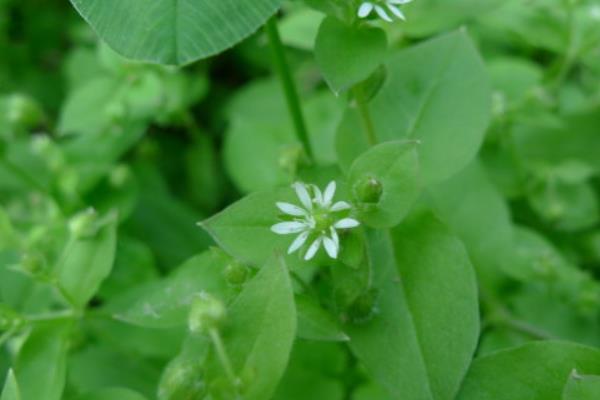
427 305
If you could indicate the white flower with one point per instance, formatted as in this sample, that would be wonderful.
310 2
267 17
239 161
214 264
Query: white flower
315 220
380 6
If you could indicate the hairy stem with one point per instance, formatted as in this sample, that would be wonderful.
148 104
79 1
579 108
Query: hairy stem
289 86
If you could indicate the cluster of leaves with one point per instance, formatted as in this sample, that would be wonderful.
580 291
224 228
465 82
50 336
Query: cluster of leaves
466 139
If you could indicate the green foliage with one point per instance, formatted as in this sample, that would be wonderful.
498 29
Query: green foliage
363 200
347 55
175 33
537 370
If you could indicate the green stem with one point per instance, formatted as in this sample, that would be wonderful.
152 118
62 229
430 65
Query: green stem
52 316
365 118
223 357
289 86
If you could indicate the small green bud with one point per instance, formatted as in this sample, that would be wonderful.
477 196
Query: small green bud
23 111
290 158
119 176
84 224
368 190
207 312
32 264
182 380
236 274
364 307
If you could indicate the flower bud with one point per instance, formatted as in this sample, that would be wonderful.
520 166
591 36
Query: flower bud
236 274
32 264
83 224
364 307
119 176
207 312
182 380
290 158
22 110
368 190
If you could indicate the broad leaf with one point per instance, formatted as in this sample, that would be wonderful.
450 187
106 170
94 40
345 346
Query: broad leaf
244 228
86 262
394 166
261 330
582 387
436 92
348 54
166 303
41 364
314 323
427 305
174 32
535 371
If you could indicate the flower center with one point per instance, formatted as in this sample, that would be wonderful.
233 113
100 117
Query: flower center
323 221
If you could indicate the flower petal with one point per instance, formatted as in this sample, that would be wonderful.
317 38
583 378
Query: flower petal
291 209
398 1
286 228
382 14
394 9
303 195
330 247
314 247
318 195
365 9
298 242
334 236
346 223
329 193
340 206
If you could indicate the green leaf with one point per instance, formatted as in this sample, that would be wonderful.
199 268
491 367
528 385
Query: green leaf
244 228
86 261
11 388
582 387
347 54
41 364
261 330
535 371
314 323
112 394
436 92
427 304
474 209
174 32
394 166
166 303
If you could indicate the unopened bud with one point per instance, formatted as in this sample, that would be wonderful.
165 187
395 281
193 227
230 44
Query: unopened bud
83 224
368 190
290 158
119 175
32 264
23 111
207 312
236 274
182 380
364 307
